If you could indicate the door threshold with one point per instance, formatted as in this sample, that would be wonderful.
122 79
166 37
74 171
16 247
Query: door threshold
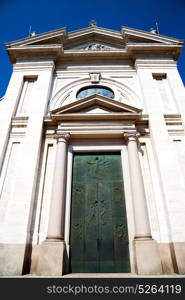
99 275
119 275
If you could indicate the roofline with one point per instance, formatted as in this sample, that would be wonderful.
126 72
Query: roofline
119 34
62 30
125 29
95 28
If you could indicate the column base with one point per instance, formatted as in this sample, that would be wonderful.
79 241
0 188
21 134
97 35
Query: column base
147 257
48 258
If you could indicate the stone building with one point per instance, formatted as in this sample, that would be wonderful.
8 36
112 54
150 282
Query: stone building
92 155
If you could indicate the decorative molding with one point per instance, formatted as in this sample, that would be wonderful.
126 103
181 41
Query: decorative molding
89 101
39 65
131 95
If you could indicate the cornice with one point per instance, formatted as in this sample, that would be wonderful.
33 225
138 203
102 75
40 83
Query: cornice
131 32
38 37
114 34
125 31
159 45
130 52
84 116
31 52
159 63
88 102
38 65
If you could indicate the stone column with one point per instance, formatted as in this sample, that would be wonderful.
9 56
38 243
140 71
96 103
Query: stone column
48 258
142 226
147 255
57 213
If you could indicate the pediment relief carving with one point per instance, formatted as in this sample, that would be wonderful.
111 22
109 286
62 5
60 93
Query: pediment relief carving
95 46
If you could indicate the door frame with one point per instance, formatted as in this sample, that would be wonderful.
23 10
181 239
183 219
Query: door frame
101 147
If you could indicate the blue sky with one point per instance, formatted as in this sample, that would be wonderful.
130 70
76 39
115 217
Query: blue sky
16 16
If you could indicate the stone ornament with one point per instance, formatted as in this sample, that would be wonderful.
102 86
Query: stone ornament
96 47
95 77
62 137
131 135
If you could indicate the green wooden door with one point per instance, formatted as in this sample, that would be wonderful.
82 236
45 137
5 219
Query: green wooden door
99 237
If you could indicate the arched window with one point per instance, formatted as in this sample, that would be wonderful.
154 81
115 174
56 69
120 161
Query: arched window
99 90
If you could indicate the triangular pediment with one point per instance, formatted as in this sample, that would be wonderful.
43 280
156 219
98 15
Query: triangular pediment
94 41
93 34
96 104
140 36
51 37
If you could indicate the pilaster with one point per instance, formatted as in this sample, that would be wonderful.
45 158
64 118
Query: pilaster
44 258
171 219
7 108
177 90
22 211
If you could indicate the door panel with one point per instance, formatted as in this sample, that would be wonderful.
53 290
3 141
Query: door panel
99 237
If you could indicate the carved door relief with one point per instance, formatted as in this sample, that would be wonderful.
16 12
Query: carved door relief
99 236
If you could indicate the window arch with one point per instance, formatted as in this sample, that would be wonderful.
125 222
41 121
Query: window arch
99 90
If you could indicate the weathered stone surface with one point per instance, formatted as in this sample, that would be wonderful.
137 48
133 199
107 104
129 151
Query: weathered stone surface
11 259
47 258
147 257
167 260
179 249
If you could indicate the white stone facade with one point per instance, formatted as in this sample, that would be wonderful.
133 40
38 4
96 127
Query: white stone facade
43 124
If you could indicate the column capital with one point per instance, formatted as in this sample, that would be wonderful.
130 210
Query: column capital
131 136
62 136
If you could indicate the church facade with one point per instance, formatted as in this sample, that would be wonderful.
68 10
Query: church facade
92 155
